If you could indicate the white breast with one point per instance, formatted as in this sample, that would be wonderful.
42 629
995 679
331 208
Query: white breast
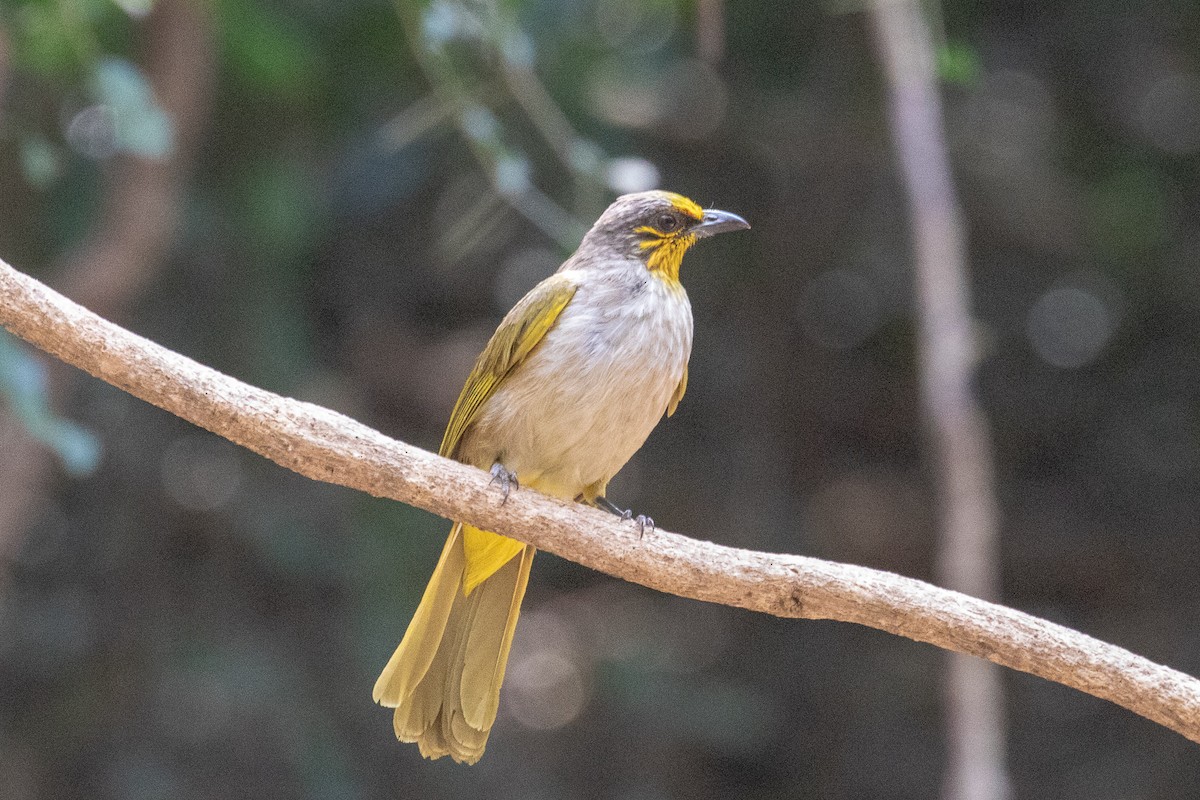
588 396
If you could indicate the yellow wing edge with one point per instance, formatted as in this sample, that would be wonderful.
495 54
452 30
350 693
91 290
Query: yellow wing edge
518 334
679 391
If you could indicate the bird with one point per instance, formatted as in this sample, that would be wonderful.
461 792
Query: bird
567 389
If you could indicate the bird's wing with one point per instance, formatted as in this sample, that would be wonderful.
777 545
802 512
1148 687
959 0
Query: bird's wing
679 390
519 332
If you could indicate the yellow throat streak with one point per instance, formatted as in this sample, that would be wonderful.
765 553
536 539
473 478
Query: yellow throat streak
669 248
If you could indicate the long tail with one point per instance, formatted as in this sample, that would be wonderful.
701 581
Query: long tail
444 678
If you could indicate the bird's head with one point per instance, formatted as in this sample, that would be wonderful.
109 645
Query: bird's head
657 228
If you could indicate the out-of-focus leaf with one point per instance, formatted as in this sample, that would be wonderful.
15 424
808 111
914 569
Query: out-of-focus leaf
958 63
23 388
517 48
481 124
586 156
77 447
41 161
512 175
136 8
142 127
443 21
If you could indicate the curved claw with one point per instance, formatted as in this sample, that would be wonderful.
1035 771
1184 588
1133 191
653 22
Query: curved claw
507 480
644 523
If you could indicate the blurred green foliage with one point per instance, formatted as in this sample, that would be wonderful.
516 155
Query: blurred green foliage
141 127
958 63
377 183
23 389
272 54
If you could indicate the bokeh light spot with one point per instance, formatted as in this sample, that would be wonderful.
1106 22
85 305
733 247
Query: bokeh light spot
201 473
1009 121
138 9
545 685
636 26
623 96
1169 113
92 132
1068 327
631 174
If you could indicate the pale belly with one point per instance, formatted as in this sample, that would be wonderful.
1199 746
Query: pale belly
588 396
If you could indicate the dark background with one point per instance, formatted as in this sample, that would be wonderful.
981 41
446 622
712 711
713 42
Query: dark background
338 200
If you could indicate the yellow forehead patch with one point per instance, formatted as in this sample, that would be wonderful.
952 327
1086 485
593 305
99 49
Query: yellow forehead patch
685 206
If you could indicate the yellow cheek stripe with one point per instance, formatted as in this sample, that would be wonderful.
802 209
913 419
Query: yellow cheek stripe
668 248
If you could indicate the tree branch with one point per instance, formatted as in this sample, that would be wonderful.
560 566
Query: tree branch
327 446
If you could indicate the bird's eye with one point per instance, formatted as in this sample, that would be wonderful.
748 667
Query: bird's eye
667 223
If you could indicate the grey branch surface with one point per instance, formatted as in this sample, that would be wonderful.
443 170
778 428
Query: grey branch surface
328 446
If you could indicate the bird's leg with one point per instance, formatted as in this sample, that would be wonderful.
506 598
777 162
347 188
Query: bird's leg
507 480
643 522
607 505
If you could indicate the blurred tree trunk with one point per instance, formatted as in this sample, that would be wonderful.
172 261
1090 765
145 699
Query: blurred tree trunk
710 30
968 559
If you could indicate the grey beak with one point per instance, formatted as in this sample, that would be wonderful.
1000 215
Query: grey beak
716 221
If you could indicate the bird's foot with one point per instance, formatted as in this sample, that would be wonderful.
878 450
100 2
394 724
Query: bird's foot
507 480
644 523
